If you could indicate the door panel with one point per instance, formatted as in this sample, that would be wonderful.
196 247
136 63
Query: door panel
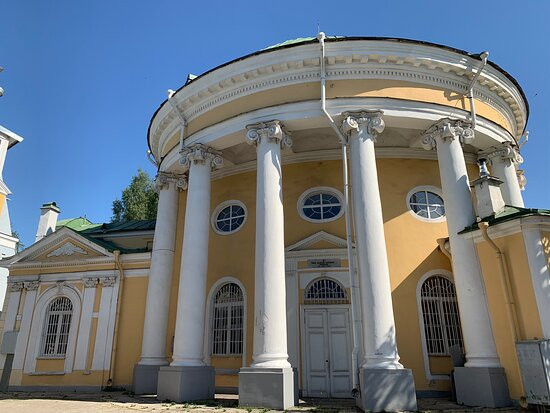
317 353
339 344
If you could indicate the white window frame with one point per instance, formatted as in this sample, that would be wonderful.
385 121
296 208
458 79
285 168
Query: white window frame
317 190
58 327
428 188
210 320
442 273
219 208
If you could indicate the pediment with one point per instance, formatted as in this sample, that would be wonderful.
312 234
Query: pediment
63 245
319 241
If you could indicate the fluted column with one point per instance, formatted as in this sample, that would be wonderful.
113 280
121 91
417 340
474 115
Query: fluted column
270 343
189 336
448 136
153 349
380 349
503 163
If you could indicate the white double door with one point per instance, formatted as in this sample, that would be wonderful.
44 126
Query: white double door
326 350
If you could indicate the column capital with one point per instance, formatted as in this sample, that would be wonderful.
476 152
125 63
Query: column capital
200 154
15 286
32 285
107 281
505 152
90 282
273 131
163 179
369 121
447 130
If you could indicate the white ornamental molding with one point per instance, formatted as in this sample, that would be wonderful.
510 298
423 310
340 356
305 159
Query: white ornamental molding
447 130
506 153
163 179
369 121
67 249
90 282
15 286
107 281
32 285
522 179
273 131
200 154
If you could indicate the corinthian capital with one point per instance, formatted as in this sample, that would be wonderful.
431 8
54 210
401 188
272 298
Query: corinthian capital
15 286
272 131
200 154
505 153
163 179
447 130
32 285
369 121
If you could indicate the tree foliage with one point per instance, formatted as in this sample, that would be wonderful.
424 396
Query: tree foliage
139 200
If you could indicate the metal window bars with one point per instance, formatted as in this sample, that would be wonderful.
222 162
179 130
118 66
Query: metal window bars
440 315
56 330
325 291
227 321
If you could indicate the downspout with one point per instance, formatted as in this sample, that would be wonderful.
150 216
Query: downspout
351 261
483 56
506 284
180 115
118 264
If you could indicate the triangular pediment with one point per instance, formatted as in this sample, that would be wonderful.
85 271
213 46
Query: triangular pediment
321 240
62 245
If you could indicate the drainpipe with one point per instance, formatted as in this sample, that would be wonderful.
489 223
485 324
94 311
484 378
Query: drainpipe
118 264
484 56
180 115
506 284
351 261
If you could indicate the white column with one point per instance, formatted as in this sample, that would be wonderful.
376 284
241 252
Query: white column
270 341
503 165
26 321
153 348
540 274
380 348
189 336
448 136
83 340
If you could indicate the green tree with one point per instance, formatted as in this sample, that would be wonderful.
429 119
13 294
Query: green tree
139 200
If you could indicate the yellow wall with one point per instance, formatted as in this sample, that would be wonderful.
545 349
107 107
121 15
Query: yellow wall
522 288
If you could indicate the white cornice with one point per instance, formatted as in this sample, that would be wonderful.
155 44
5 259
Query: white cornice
367 59
514 226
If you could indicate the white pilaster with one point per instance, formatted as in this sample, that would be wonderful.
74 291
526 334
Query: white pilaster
448 136
540 275
153 348
105 326
270 340
380 348
13 305
189 335
26 321
503 165
83 340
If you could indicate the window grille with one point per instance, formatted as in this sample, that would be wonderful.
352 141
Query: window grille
230 218
325 291
441 316
427 205
56 328
227 321
321 206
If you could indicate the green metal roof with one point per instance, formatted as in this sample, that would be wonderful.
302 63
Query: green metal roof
509 213
133 225
298 40
78 224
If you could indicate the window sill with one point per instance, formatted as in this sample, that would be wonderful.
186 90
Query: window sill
47 373
226 355
50 358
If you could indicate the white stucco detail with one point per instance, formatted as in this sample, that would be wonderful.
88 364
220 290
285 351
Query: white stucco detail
67 249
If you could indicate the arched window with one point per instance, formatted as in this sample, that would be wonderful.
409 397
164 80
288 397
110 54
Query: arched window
56 328
325 291
227 321
440 315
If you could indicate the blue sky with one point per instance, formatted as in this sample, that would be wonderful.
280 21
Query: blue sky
83 78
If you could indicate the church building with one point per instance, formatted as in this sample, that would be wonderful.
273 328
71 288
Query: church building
338 217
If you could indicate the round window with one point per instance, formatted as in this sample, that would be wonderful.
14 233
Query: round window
427 204
320 205
229 217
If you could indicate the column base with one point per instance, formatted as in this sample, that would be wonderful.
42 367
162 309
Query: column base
481 386
185 383
145 379
271 388
386 390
